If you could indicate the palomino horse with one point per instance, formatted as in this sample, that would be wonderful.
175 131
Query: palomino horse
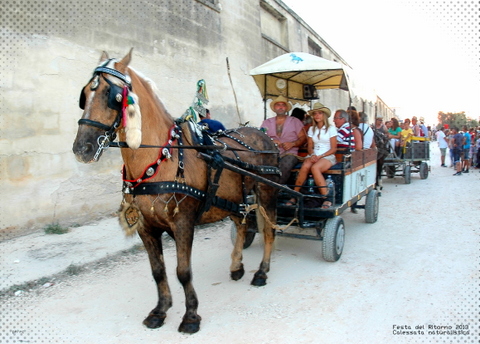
171 182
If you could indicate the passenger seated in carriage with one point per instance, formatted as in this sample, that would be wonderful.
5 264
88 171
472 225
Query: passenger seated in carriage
367 132
322 145
346 138
355 123
405 136
213 126
394 135
288 134
307 123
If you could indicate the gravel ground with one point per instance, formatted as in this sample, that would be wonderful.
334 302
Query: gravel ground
411 277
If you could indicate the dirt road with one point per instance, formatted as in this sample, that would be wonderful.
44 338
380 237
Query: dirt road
411 277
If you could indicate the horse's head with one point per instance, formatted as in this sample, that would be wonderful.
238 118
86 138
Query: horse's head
108 105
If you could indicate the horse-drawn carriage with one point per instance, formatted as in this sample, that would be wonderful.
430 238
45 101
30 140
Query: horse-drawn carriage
176 176
413 158
298 76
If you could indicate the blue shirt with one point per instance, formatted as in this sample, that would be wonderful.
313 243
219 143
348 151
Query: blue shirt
213 125
468 140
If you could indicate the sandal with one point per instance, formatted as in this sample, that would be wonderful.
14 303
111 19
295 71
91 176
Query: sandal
328 200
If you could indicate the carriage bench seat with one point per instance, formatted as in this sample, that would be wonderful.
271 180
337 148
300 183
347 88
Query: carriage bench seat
348 160
335 169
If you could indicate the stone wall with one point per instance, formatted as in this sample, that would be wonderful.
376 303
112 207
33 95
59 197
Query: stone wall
50 50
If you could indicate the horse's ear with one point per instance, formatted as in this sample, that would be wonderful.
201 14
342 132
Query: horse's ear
126 60
104 56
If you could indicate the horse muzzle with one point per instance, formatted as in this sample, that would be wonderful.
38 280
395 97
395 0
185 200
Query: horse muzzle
84 151
87 146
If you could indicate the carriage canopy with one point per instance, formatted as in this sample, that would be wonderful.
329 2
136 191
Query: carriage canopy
298 75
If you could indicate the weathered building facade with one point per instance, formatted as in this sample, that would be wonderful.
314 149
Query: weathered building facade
49 50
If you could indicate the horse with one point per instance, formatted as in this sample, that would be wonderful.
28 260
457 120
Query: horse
175 177
383 150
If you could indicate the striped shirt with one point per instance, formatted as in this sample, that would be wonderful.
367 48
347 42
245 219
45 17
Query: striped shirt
345 137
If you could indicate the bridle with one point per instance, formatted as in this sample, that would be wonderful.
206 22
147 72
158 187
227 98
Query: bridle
116 101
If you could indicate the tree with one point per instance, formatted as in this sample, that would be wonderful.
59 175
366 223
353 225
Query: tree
472 123
452 119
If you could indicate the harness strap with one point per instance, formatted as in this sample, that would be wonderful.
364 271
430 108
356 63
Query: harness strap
151 170
122 144
261 169
94 124
158 188
102 69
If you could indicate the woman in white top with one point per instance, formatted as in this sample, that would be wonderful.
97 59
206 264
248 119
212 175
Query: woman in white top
322 145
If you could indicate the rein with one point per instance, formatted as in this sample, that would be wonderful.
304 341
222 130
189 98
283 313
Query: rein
203 147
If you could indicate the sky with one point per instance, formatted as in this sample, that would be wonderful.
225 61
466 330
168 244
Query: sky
421 57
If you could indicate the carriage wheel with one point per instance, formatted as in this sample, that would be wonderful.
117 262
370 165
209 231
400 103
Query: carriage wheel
248 237
333 239
423 170
371 207
390 171
408 174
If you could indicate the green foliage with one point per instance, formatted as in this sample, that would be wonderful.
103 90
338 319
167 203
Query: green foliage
452 119
472 123
55 228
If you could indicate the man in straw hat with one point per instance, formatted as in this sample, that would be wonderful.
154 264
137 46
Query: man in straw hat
423 128
287 132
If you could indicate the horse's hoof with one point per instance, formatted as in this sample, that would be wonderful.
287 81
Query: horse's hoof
191 326
259 280
154 321
236 275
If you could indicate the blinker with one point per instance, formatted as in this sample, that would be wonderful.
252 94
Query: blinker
115 97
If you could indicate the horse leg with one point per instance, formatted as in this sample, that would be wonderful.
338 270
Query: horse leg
153 245
184 240
236 268
379 173
267 199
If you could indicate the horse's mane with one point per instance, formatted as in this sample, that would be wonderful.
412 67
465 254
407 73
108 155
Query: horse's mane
150 85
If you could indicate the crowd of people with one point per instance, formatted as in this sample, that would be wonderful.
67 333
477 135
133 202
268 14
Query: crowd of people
463 148
311 138
400 135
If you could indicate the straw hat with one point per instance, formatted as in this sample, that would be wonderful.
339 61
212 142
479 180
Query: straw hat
320 107
280 99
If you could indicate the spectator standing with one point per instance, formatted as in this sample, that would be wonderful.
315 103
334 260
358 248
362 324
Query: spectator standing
442 144
467 141
478 151
457 147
